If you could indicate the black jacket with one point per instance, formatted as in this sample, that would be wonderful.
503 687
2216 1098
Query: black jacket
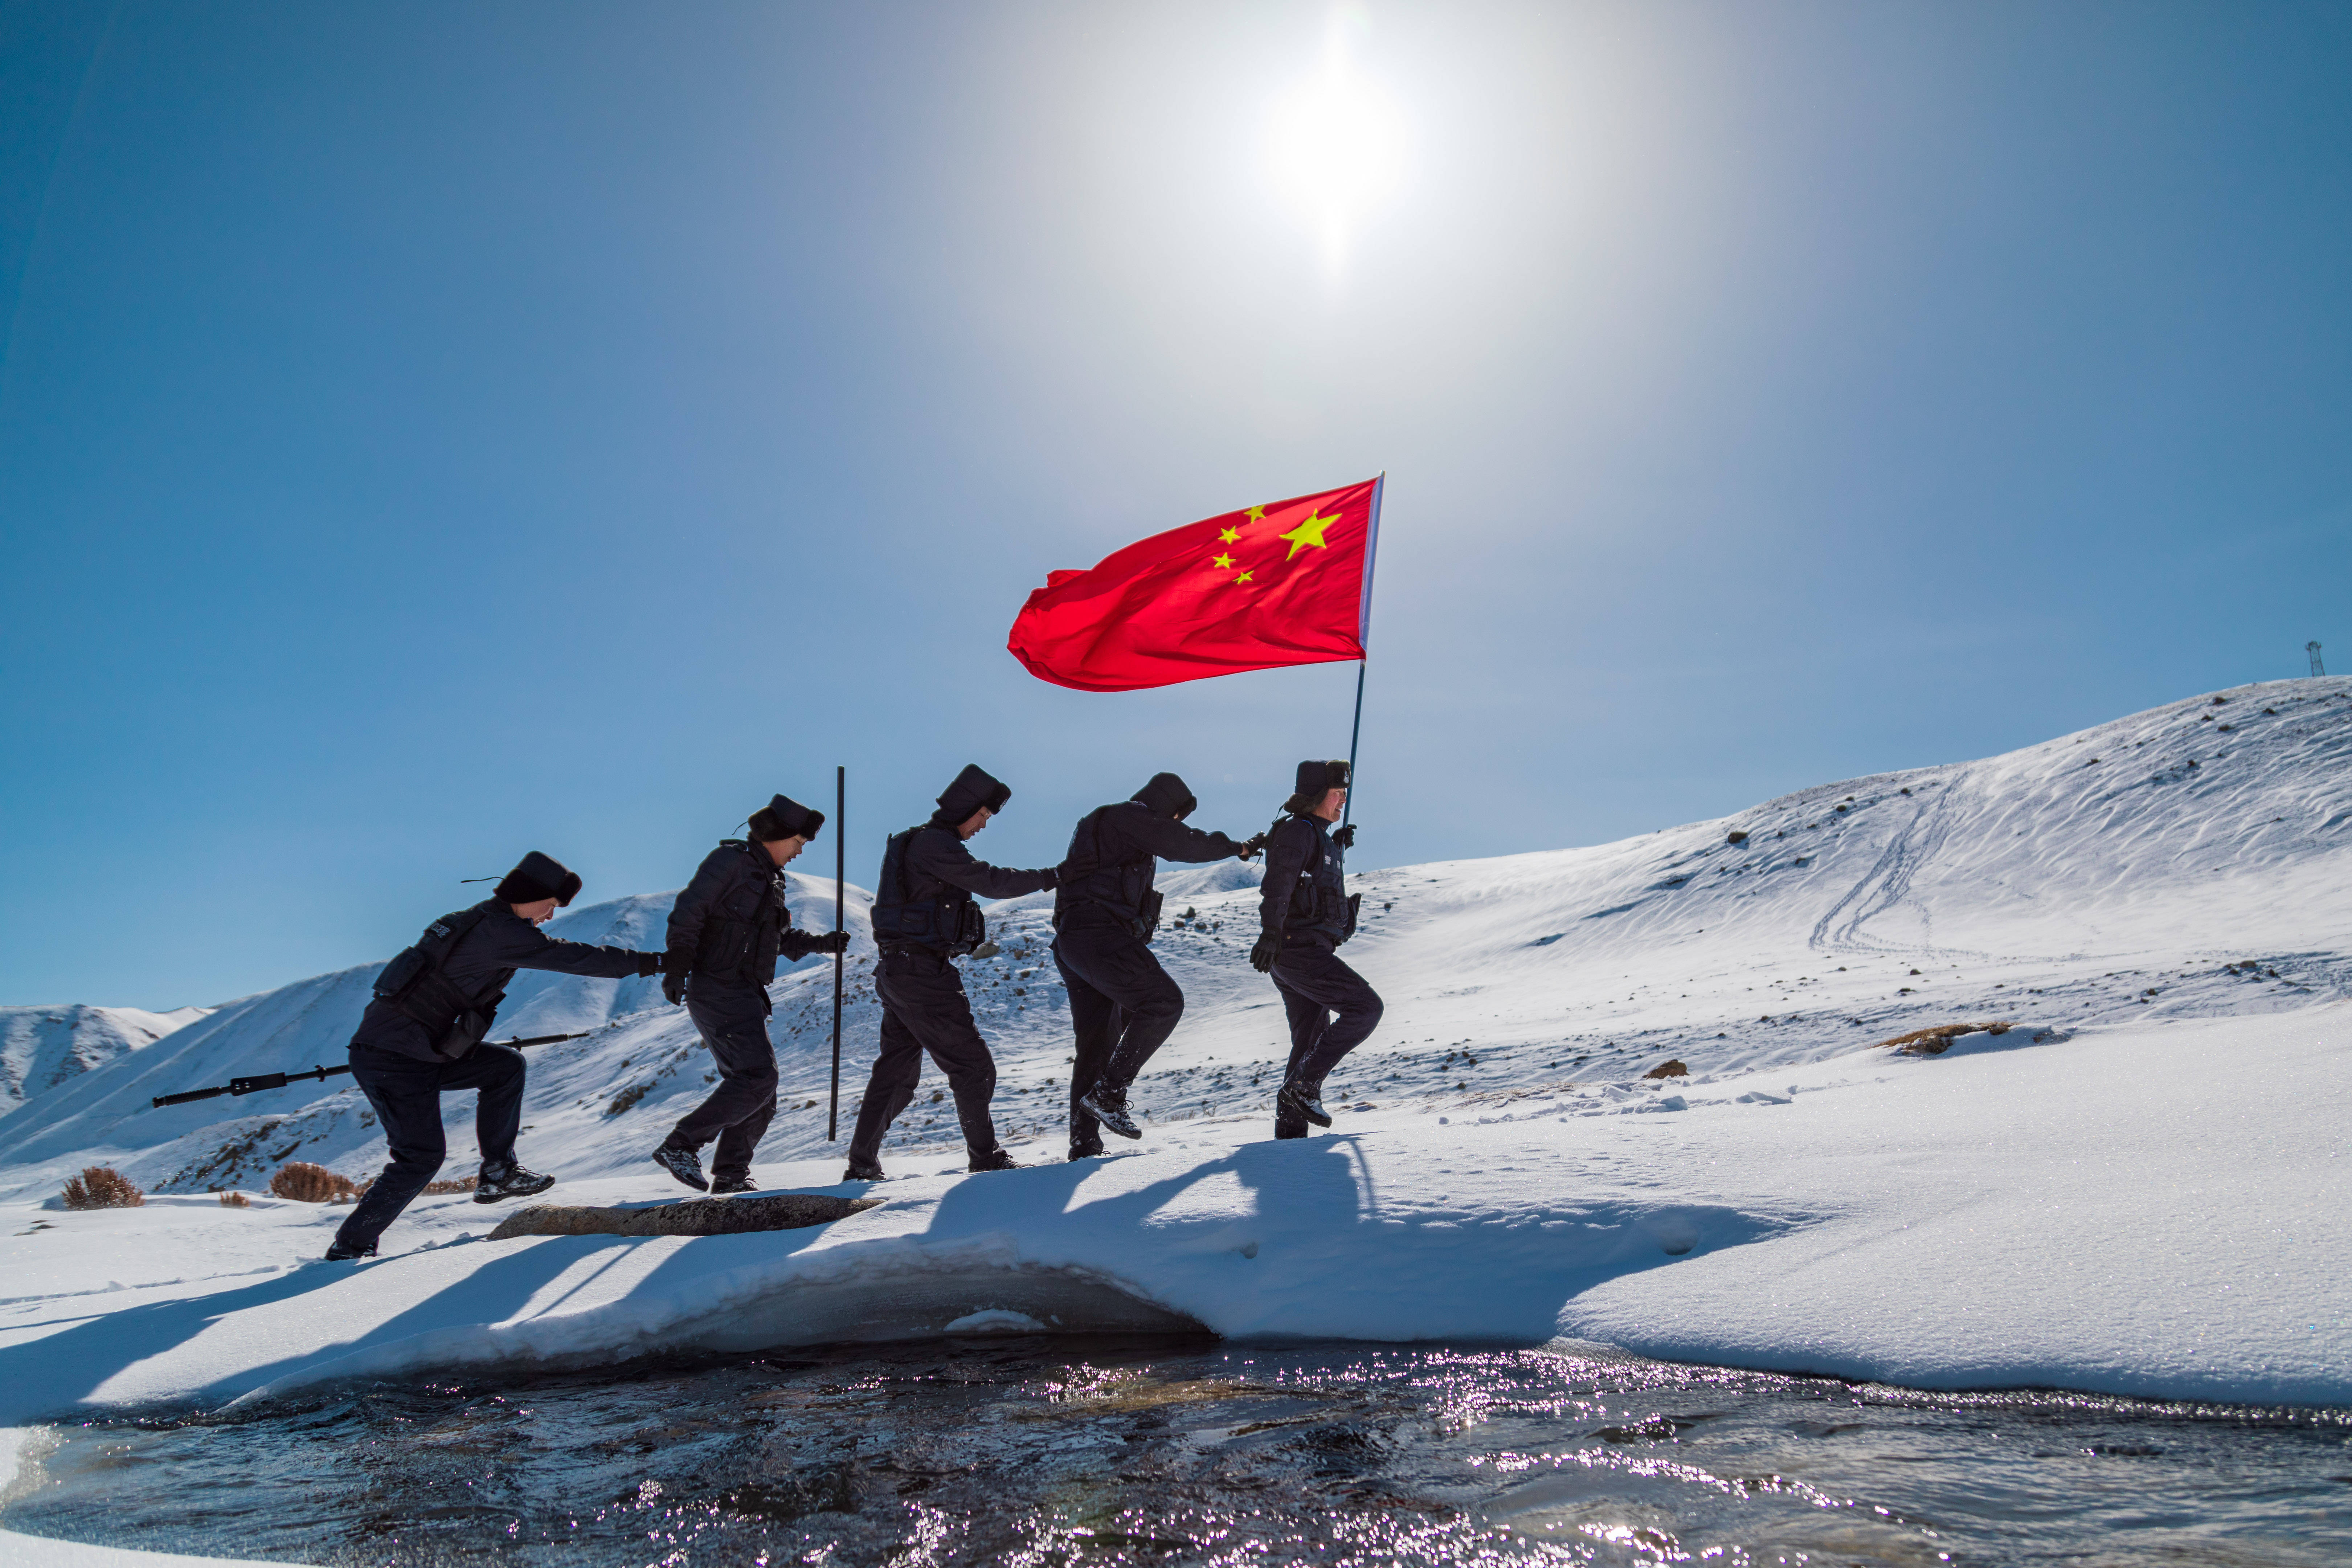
1306 893
1106 879
481 964
730 922
938 864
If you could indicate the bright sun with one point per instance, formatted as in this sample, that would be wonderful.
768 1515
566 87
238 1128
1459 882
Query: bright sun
1335 147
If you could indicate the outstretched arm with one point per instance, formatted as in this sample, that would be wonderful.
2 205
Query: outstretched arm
1172 840
940 854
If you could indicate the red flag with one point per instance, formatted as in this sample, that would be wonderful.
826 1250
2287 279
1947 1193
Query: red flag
1287 582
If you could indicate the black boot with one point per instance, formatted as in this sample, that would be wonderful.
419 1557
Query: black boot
341 1252
499 1183
1301 1098
1108 1101
722 1184
1089 1150
864 1170
994 1160
686 1165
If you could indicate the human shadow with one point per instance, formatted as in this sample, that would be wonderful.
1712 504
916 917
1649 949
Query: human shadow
1308 1247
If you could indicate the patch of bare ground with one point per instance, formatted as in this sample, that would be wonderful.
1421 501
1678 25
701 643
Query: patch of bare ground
1939 1039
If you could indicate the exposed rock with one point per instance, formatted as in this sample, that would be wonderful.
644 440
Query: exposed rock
1668 1070
1937 1040
694 1216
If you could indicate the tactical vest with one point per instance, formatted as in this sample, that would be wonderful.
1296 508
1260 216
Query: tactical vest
745 950
415 983
1122 887
948 921
1319 900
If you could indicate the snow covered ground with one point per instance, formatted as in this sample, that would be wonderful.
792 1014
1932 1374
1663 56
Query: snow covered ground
2139 1188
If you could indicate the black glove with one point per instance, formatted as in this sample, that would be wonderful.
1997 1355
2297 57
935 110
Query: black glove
650 963
1053 878
1252 844
1268 947
1345 838
830 943
674 969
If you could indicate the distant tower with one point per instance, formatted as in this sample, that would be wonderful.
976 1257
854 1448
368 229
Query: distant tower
2313 650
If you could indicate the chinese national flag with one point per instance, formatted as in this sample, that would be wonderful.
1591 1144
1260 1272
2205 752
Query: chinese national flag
1287 582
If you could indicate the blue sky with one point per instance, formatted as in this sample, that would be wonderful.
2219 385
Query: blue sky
431 432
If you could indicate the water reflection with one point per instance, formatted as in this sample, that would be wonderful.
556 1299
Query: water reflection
1039 1451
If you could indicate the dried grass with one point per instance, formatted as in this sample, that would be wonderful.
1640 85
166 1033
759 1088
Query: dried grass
1937 1040
102 1187
305 1183
1668 1070
436 1189
236 1201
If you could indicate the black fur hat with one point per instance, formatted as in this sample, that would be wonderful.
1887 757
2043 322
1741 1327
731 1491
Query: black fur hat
537 877
1314 780
1167 796
783 817
973 788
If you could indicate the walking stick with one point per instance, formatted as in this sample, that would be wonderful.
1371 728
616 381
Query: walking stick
840 875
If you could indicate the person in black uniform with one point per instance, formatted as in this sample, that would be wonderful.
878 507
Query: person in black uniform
421 1038
726 932
1305 914
924 917
1123 1006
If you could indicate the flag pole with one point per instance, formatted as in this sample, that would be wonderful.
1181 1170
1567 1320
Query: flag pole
840 875
1363 639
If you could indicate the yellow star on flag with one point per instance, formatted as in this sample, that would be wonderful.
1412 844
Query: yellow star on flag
1257 514
1306 533
1227 536
1222 562
1243 578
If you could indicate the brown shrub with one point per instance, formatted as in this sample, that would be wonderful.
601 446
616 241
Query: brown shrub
464 1184
1668 1070
1937 1040
236 1201
307 1183
102 1187
627 1097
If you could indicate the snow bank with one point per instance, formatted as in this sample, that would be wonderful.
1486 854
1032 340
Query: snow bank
2136 1190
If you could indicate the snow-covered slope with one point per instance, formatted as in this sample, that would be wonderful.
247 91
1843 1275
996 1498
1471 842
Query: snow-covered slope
43 1047
2131 1190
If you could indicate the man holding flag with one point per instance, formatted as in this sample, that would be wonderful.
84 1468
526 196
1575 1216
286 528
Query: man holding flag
1268 586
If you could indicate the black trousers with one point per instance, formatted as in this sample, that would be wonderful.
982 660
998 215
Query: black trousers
1331 1012
733 1019
1123 1007
924 1009
406 1094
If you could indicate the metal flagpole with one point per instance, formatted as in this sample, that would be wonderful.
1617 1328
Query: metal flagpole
840 876
1363 638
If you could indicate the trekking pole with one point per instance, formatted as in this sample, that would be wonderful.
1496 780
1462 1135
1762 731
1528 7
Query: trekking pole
840 876
259 1081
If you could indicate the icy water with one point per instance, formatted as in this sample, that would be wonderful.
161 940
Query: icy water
1041 1451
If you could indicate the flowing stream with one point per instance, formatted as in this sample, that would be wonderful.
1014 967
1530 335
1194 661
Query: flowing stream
1064 1452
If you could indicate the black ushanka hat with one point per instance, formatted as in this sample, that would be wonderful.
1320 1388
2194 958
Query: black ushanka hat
537 877
783 818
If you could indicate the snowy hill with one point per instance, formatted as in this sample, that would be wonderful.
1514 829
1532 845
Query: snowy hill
2102 874
2159 904
43 1047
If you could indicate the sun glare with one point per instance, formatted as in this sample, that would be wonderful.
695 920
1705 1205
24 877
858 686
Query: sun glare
1335 146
